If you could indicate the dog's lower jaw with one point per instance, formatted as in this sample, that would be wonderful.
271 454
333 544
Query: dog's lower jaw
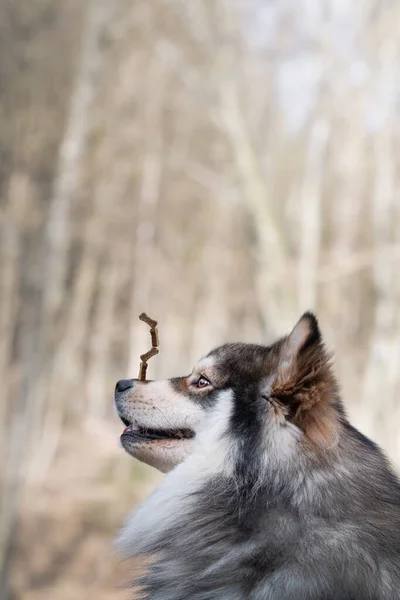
163 455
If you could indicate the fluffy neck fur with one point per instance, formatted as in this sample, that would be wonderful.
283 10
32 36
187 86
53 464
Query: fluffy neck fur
208 528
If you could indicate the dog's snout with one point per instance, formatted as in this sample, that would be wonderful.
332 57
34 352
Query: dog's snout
123 385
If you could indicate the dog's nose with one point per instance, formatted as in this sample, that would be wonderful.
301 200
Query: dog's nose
123 385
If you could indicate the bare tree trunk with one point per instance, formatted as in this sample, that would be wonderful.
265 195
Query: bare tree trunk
68 174
10 240
147 203
99 350
310 216
382 348
212 290
275 276
345 283
11 426
67 184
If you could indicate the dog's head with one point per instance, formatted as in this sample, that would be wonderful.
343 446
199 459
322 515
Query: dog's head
241 400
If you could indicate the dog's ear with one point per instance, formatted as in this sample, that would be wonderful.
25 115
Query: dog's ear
305 383
303 342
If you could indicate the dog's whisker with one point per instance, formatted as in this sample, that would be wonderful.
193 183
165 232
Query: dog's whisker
173 428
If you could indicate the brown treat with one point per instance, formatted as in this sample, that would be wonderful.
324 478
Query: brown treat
154 343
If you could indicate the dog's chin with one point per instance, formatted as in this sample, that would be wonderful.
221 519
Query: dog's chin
161 450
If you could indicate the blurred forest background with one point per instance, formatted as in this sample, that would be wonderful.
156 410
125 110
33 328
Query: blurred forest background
221 165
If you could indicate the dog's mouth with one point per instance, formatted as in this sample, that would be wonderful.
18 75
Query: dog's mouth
147 434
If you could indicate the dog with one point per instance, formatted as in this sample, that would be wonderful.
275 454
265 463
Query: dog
269 493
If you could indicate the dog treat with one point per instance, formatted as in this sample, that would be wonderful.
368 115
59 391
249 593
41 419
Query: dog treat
154 345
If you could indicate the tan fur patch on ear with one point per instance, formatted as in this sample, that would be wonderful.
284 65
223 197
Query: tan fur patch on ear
317 416
308 388
315 366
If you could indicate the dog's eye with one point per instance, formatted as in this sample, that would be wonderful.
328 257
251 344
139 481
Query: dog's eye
202 382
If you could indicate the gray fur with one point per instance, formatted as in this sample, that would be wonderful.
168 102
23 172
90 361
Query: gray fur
316 523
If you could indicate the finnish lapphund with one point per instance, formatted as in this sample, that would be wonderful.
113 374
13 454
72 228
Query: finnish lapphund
269 493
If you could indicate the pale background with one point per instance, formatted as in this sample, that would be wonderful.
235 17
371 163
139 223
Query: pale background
221 165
